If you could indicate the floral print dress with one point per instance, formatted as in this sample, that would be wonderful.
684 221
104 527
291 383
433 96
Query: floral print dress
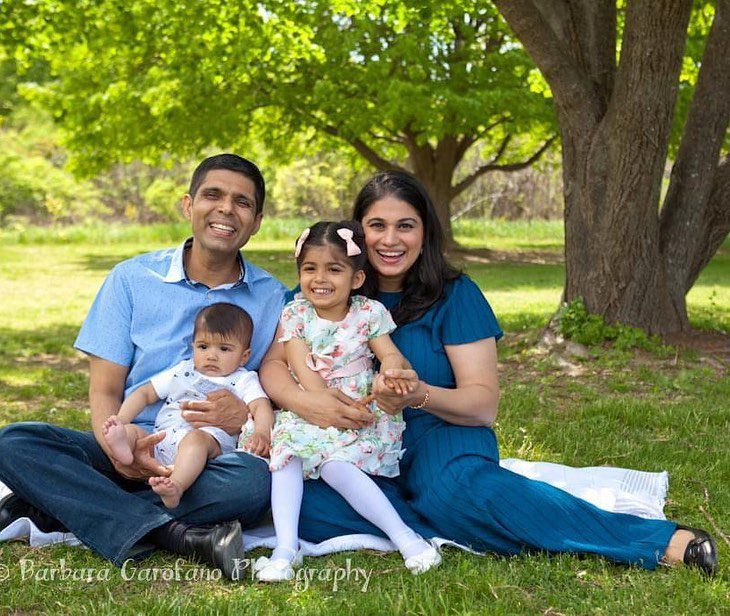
340 352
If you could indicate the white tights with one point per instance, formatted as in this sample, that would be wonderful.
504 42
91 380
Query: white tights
357 488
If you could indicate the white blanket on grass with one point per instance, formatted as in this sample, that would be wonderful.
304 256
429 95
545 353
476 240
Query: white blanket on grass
614 489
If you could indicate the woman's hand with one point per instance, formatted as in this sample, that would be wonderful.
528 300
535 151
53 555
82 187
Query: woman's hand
332 408
324 408
391 398
402 381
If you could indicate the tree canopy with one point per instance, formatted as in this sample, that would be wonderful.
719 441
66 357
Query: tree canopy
402 83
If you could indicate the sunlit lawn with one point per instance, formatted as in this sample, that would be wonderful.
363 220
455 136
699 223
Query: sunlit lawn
627 409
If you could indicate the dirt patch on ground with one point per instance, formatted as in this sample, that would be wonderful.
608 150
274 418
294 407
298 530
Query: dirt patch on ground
712 344
485 255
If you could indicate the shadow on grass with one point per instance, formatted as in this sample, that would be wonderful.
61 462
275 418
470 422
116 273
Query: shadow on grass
26 343
489 276
279 263
42 378
102 262
507 276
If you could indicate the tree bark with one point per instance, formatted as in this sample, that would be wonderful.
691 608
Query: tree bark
615 125
435 167
696 215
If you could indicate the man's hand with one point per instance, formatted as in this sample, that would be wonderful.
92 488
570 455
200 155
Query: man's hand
144 465
221 409
259 443
331 407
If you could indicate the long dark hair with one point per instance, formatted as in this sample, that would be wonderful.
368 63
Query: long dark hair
425 281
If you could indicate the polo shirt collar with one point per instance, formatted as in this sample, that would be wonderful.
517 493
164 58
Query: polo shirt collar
176 272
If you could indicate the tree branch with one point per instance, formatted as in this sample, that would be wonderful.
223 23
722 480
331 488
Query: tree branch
396 140
467 141
594 32
571 88
646 79
372 156
464 144
363 149
492 166
693 201
489 127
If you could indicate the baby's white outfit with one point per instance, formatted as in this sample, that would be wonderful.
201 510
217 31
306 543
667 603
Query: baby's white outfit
184 382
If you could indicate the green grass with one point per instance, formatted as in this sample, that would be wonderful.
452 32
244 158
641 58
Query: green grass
626 409
281 233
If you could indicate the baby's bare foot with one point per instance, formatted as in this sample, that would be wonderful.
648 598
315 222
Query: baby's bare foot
169 490
116 437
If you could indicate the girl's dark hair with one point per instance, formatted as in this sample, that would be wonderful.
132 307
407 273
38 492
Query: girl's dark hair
227 321
424 283
325 233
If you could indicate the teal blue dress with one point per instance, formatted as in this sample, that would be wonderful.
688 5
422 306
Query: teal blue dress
451 484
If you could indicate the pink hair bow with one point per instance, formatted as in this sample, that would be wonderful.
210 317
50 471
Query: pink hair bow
352 248
300 242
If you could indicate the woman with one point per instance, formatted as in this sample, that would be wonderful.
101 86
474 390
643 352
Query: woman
451 484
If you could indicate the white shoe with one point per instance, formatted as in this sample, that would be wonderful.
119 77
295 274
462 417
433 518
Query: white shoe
260 563
277 570
428 559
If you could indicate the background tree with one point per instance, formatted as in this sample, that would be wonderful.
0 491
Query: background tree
629 259
403 83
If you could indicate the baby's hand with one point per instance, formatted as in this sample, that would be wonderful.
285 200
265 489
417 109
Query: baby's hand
259 443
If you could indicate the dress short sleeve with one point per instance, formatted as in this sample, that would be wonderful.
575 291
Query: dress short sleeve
380 322
468 317
292 320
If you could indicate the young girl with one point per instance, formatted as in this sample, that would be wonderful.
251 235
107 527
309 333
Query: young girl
330 337
221 346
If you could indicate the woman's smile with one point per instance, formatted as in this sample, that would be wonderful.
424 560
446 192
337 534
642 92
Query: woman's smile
394 238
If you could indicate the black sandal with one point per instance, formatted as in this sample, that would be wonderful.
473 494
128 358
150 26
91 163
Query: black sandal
701 552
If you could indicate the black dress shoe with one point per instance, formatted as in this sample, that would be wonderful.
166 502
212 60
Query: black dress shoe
220 546
13 508
701 552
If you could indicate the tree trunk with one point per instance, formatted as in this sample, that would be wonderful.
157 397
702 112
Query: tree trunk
696 215
435 167
613 258
615 126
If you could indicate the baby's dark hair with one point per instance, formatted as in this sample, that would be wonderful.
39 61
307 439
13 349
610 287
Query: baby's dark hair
325 233
227 321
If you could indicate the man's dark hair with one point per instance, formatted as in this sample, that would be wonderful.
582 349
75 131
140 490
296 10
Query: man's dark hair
235 163
226 321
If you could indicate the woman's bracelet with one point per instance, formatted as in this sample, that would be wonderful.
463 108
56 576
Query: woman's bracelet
426 398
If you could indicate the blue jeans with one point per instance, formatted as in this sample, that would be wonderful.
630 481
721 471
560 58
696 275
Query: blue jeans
68 476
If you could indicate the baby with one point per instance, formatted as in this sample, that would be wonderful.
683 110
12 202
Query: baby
221 341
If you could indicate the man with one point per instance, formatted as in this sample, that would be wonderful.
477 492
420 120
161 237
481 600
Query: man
141 323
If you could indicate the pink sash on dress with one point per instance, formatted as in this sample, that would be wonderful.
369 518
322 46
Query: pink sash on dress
323 364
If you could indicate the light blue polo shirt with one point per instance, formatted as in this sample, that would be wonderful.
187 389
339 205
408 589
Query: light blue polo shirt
144 313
